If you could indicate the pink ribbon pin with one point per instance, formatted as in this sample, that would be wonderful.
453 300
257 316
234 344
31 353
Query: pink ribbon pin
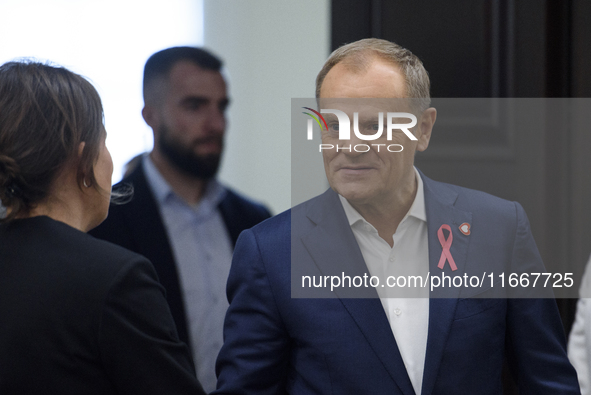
446 244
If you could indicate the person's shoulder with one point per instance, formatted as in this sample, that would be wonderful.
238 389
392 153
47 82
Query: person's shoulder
76 257
92 248
276 229
240 213
276 223
471 199
132 198
237 202
270 239
281 227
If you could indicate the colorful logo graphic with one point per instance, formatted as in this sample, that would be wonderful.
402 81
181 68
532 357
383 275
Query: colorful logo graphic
344 129
316 119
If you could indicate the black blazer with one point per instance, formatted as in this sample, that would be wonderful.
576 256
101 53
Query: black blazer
83 316
138 227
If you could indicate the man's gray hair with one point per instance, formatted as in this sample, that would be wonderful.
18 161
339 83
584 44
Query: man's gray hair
359 55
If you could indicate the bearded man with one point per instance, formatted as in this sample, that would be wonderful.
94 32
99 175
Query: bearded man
180 217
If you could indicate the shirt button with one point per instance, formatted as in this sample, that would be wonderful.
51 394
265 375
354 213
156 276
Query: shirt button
397 311
391 259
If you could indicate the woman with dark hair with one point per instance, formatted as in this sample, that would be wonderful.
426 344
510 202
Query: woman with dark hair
77 315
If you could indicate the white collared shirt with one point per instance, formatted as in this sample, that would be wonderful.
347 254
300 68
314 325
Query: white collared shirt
202 250
408 317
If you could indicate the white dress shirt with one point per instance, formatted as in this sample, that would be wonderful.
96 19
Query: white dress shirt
408 317
579 342
202 250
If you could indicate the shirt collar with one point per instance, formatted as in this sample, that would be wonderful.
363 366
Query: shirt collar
417 209
162 191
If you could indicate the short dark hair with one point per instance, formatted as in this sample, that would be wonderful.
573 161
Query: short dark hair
46 111
160 64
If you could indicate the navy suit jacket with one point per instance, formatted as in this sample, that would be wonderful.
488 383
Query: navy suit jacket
276 344
138 226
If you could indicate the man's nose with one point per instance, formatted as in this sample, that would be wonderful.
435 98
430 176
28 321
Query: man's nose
216 122
354 146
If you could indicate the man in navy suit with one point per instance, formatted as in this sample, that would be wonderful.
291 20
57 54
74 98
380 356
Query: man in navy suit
180 217
382 217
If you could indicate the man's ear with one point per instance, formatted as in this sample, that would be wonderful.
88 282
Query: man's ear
425 127
150 115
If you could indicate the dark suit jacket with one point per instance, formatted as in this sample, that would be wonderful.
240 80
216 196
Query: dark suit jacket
82 316
138 226
276 344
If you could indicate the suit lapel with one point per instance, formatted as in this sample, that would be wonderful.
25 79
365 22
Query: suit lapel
439 202
334 249
333 246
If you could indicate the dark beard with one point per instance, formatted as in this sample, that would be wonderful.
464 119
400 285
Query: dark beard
204 167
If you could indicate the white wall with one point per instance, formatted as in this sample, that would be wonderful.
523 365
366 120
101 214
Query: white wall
272 51
107 41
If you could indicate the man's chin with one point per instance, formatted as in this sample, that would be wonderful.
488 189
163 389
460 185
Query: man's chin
204 168
355 194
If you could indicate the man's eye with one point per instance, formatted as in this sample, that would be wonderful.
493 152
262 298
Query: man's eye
375 126
334 127
193 106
